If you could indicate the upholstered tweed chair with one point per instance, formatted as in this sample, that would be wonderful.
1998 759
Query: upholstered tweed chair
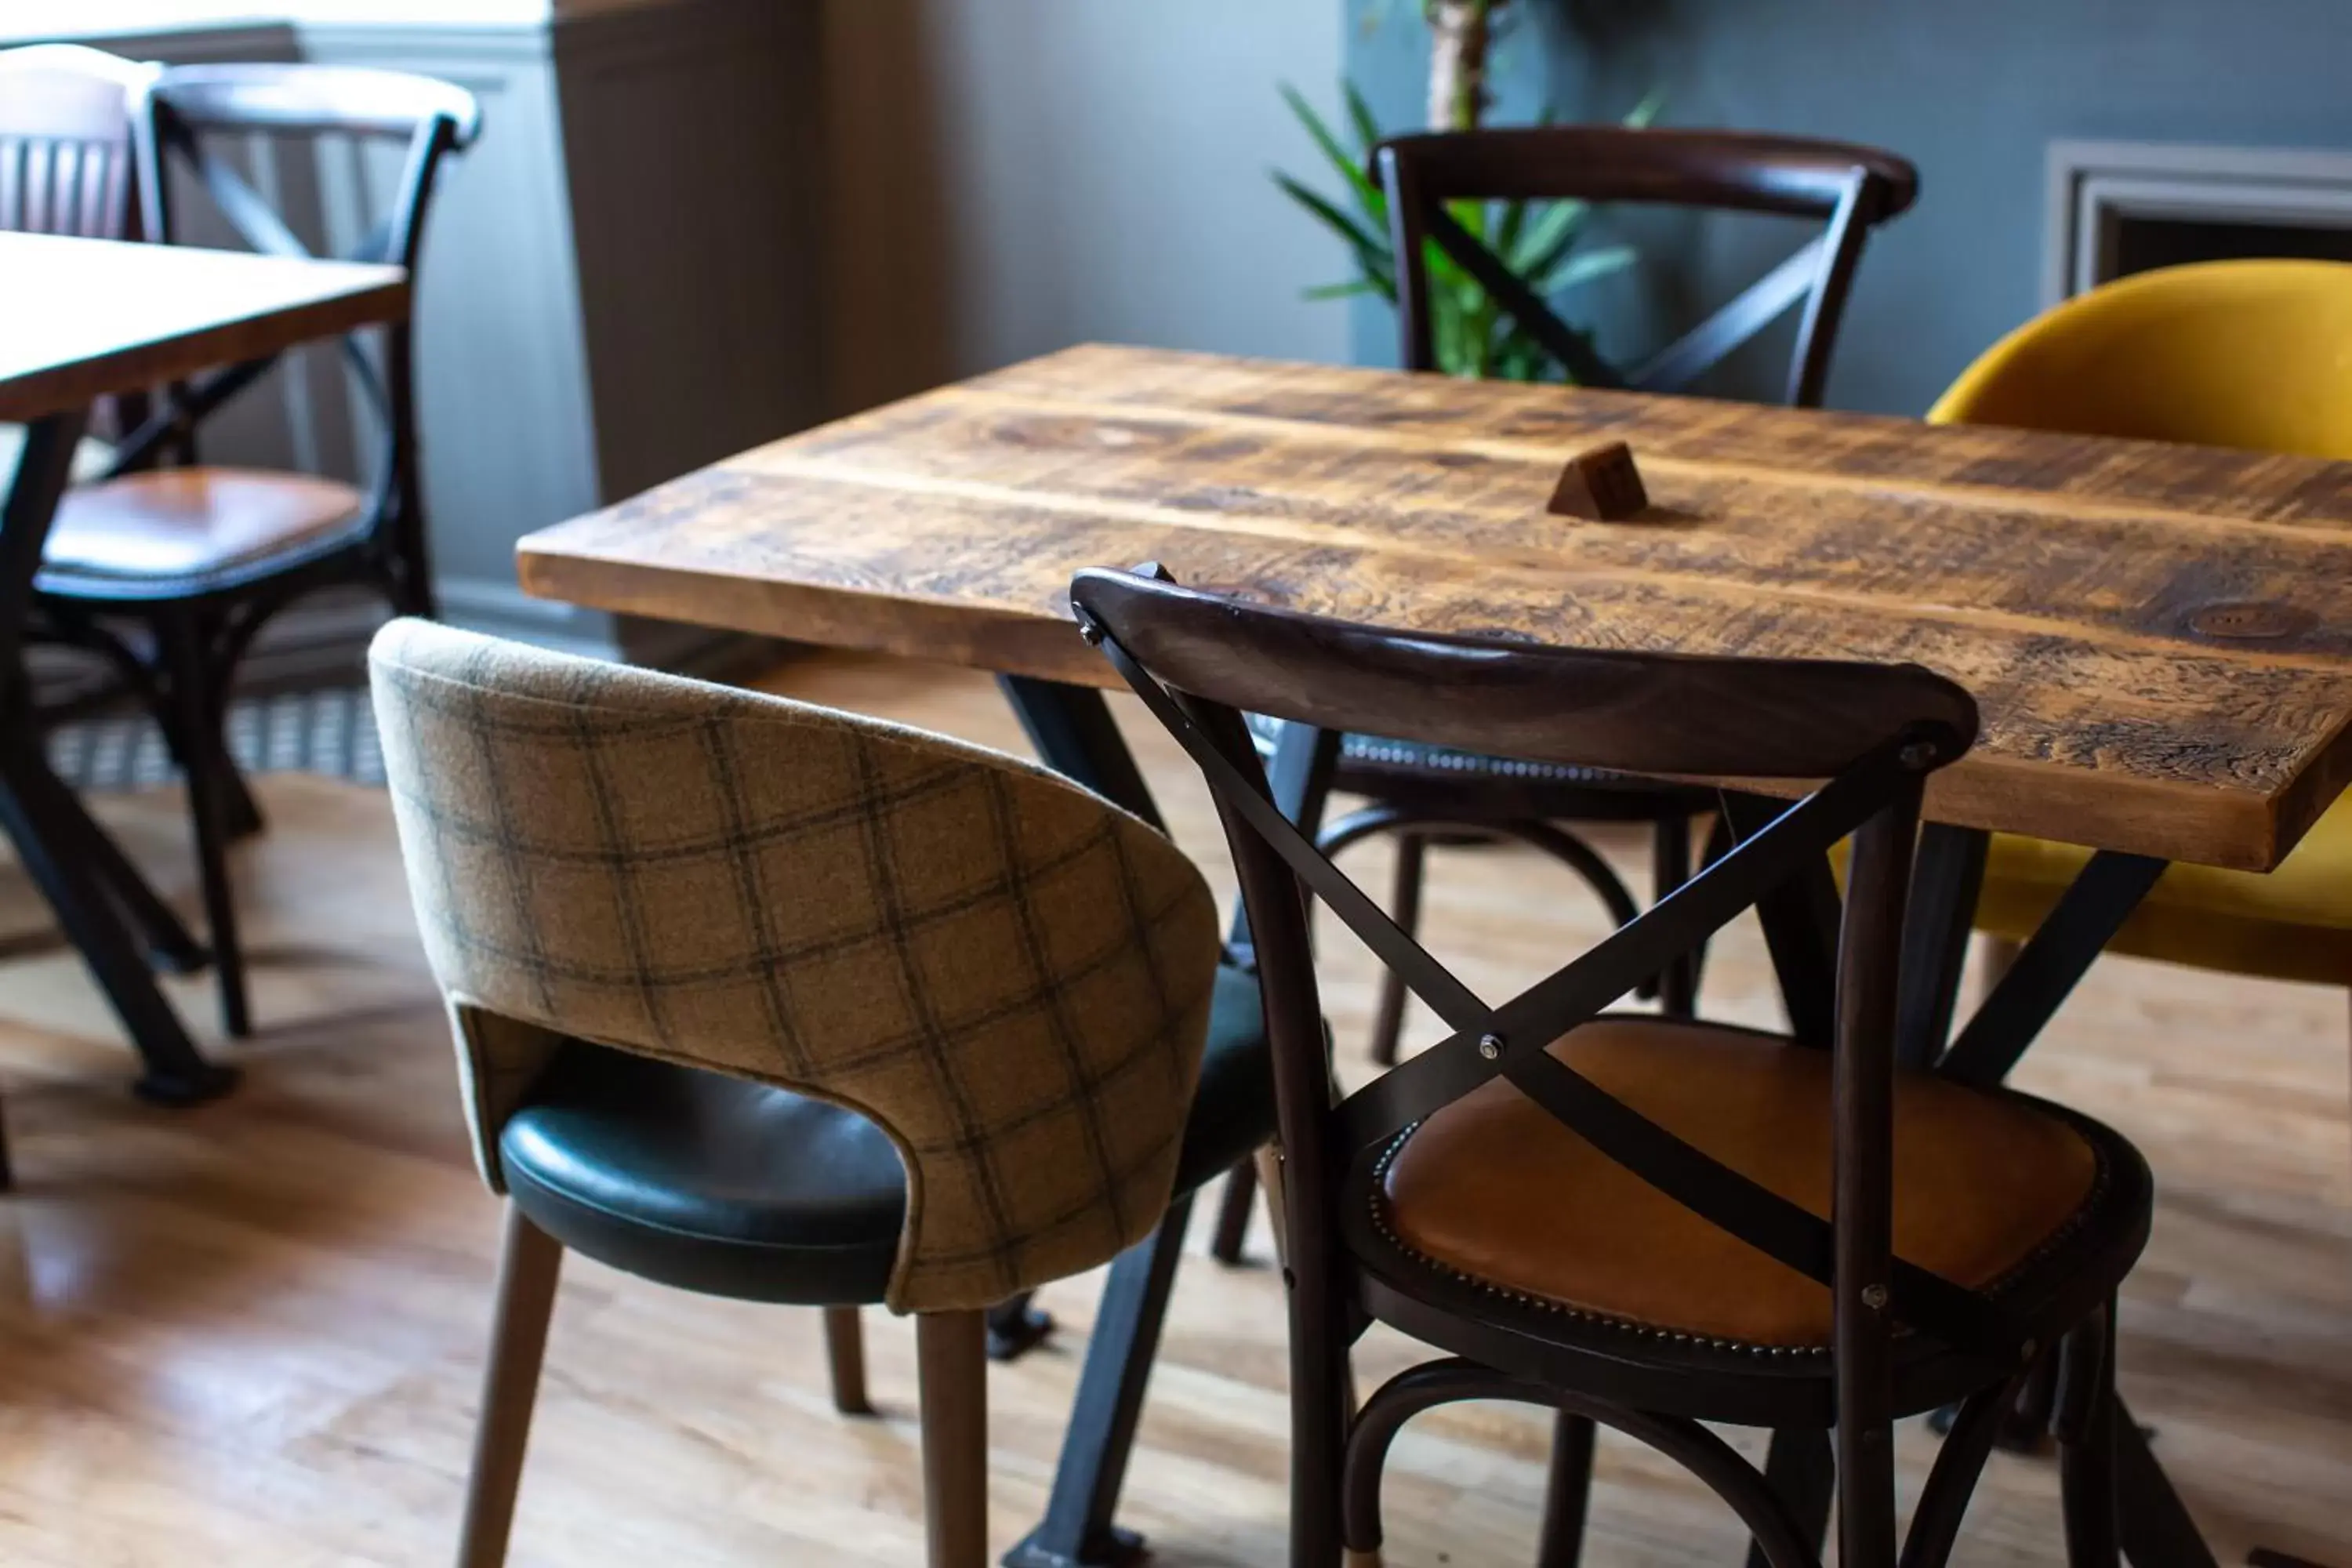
761 1000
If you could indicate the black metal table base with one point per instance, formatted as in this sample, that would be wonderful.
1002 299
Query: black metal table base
1017 1327
2156 1530
113 919
1077 1531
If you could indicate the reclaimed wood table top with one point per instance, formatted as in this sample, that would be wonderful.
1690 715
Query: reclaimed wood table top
82 318
2160 636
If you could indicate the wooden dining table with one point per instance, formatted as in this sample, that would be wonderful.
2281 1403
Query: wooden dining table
81 319
2156 636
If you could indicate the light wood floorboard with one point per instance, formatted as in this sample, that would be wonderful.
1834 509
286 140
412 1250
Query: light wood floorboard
252 1334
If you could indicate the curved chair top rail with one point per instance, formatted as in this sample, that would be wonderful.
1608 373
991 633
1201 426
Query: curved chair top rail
67 141
70 91
1849 189
1635 713
349 99
1798 175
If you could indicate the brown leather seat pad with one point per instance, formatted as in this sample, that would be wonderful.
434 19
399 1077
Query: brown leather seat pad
187 522
1495 1187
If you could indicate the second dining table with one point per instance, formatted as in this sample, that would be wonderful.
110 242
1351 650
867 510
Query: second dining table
81 319
2153 635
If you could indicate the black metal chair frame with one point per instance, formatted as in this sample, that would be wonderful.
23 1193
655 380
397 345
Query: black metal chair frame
197 630
1904 1340
1852 189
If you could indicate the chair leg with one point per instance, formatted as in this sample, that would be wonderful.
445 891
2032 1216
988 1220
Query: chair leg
204 764
950 1349
844 1354
1801 1469
243 814
1567 1492
1234 1212
2087 1435
526 1298
1404 908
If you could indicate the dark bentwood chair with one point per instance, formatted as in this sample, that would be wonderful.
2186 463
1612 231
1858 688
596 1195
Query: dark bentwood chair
1424 794
201 557
760 1000
1622 1216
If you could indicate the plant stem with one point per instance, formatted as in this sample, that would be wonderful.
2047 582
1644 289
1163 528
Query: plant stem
1459 32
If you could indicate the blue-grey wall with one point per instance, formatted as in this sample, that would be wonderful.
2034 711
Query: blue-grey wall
1973 93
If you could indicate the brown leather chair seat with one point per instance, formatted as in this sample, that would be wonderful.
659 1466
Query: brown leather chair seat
1494 1189
180 523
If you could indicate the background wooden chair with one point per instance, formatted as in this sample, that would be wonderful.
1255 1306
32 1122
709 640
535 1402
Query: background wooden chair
69 165
1418 793
196 559
2229 353
1426 794
1622 1217
761 1000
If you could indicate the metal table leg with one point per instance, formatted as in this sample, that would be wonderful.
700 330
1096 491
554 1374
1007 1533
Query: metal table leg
100 902
1800 927
2075 933
1943 887
2157 1530
1074 733
1077 1531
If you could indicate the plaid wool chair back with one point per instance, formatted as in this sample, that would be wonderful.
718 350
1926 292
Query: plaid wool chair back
1007 974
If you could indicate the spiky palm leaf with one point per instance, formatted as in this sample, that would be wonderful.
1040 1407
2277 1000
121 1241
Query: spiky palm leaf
1538 241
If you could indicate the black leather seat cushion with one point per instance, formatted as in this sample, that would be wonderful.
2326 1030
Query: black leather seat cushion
729 1188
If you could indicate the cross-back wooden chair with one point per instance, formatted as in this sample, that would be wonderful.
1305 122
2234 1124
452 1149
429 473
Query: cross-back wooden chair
201 557
1424 795
1640 1221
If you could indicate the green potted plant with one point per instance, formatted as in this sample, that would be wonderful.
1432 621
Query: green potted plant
1542 242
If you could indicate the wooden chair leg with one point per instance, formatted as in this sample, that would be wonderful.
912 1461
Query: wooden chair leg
952 1366
526 1298
844 1354
2086 1436
1234 1211
1404 908
1567 1492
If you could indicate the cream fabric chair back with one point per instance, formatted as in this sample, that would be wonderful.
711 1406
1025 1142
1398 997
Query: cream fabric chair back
1007 974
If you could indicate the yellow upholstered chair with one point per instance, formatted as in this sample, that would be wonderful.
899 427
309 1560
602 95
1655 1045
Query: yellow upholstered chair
2227 353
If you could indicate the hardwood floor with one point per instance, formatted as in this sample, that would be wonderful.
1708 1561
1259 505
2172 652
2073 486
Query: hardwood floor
251 1333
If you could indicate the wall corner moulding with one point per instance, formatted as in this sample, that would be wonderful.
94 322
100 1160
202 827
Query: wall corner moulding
100 19
2095 188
